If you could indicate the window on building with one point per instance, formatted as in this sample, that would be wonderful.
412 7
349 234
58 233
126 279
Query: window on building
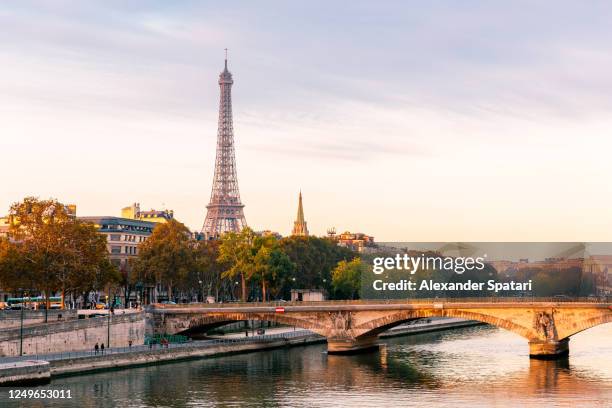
115 237
115 250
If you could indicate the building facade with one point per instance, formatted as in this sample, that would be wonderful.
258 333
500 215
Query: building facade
123 237
134 212
357 241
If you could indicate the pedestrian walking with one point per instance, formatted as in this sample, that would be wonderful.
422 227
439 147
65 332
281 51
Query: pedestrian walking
102 348
130 343
96 348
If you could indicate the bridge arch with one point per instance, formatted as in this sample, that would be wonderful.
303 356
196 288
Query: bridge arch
198 323
586 324
384 323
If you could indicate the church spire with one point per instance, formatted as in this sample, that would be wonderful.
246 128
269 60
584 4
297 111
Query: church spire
299 226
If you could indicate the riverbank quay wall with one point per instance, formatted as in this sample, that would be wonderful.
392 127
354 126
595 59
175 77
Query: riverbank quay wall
159 355
72 335
21 373
13 318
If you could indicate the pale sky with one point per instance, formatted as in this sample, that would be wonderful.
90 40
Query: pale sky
409 121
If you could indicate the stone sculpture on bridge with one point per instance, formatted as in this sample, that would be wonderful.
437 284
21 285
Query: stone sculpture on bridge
545 325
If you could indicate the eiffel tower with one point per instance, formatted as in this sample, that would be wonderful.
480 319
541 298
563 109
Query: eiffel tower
225 212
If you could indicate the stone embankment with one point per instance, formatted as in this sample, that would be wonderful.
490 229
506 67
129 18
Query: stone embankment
28 372
75 334
192 350
13 318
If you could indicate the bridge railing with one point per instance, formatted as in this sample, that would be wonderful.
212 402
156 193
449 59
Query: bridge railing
554 299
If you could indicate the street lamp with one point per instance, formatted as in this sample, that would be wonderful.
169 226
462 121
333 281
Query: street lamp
108 331
23 294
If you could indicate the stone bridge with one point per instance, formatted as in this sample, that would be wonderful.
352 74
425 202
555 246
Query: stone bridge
351 326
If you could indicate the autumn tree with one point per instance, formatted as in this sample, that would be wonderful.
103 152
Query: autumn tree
57 252
13 273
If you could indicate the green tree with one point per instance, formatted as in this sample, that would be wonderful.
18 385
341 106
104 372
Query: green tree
346 279
314 259
167 257
272 266
236 251
208 269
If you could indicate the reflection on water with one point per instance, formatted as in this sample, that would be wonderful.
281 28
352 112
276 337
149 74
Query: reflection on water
479 366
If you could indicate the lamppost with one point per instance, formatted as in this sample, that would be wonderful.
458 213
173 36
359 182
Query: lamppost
108 325
23 299
293 279
108 330
47 304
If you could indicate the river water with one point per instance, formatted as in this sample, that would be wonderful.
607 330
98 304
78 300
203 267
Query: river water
472 367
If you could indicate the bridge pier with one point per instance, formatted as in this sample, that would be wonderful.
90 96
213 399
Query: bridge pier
548 349
352 345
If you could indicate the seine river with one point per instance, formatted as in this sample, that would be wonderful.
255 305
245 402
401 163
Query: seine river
472 367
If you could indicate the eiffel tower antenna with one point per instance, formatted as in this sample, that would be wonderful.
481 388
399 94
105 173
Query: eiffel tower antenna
225 210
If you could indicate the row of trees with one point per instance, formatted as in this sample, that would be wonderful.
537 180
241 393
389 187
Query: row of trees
50 251
257 267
